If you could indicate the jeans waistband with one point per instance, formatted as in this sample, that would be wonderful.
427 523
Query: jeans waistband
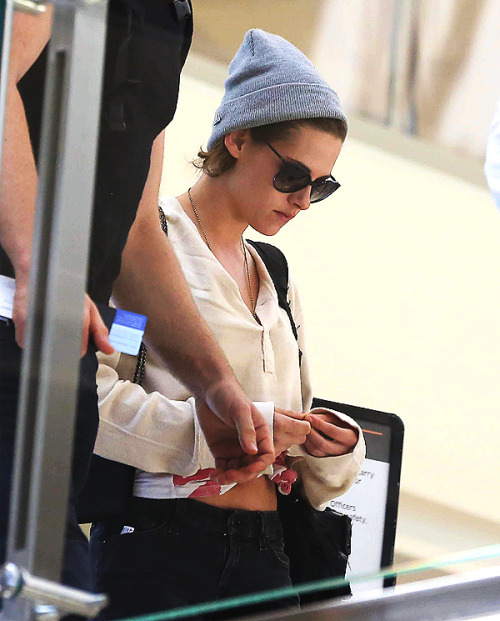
209 518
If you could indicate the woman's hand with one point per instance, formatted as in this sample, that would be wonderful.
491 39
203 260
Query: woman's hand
330 436
289 428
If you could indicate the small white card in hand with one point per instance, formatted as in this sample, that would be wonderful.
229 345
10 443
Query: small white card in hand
7 290
127 331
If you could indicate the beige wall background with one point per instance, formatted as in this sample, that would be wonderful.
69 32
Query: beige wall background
456 61
399 276
452 46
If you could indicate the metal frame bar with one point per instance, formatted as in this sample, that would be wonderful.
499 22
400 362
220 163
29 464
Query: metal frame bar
4 67
49 379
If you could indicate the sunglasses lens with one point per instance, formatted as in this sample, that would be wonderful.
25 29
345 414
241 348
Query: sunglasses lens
322 189
291 178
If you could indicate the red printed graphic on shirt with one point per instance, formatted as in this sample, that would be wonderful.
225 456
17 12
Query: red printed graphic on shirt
199 485
201 475
207 489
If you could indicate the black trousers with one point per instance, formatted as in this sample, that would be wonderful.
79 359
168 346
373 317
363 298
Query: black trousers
76 566
184 552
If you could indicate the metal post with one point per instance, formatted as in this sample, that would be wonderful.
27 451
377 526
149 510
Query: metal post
49 378
397 52
413 62
6 29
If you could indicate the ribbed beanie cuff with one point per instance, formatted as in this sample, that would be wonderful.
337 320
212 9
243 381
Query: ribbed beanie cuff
271 81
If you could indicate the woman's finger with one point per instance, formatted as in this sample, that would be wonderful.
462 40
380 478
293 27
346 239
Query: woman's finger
318 446
300 427
343 435
291 413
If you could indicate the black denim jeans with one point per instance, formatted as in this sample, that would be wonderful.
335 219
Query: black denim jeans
184 552
76 565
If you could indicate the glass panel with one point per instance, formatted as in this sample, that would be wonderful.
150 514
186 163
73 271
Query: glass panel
468 560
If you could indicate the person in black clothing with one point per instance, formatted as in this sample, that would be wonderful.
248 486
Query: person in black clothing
147 44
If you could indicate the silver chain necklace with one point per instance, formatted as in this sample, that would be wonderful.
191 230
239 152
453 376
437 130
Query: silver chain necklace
252 301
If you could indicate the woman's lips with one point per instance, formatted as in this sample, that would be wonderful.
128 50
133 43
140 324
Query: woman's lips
284 216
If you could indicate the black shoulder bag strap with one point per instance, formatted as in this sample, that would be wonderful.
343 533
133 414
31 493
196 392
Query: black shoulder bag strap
316 542
277 266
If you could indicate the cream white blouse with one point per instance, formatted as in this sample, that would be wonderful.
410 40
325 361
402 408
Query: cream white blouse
154 427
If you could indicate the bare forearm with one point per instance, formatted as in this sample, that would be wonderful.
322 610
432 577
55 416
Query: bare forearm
151 282
19 177
18 189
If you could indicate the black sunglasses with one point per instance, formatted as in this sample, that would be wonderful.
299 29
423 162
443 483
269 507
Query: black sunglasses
292 177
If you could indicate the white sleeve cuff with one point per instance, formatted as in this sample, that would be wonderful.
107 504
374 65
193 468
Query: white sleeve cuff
266 408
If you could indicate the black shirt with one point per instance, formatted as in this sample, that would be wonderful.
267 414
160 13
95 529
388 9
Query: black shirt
146 47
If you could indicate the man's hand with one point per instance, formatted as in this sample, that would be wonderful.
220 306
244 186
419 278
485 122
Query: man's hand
290 428
227 400
94 326
236 433
330 436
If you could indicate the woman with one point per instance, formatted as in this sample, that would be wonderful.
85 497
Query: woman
187 538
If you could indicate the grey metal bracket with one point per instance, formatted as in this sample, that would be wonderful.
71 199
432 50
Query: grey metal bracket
50 600
50 366
35 7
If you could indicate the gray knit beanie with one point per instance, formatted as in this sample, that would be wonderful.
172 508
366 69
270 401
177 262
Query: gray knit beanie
270 81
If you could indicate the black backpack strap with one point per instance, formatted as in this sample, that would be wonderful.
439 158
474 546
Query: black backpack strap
277 266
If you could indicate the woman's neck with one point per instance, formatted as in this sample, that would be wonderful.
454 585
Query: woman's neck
214 213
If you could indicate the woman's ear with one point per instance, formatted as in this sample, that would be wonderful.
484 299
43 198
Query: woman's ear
236 140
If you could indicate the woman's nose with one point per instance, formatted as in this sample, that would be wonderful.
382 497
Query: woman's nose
302 198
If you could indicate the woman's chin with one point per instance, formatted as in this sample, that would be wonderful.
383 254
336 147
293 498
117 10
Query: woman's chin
268 230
